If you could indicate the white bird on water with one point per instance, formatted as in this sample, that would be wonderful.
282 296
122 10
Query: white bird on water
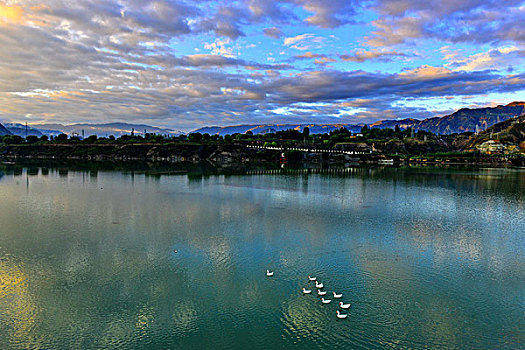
337 296
320 292
340 315
344 306
269 273
306 291
312 278
324 301
319 285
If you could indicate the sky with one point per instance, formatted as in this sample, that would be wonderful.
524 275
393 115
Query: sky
188 64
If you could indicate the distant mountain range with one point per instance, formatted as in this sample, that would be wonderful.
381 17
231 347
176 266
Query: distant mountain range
101 130
20 130
463 120
271 128
4 131
466 119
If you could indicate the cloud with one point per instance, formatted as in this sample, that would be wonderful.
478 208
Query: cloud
363 55
134 60
324 60
474 21
226 22
426 72
318 58
423 82
394 31
308 55
10 14
305 41
292 40
273 32
274 11
203 60
219 47
197 97
503 57
330 14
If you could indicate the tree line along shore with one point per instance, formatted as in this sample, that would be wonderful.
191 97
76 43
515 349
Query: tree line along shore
499 145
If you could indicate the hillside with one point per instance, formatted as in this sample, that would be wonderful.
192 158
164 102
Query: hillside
463 120
467 119
20 130
510 132
4 131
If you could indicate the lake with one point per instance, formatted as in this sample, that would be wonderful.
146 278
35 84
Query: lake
429 258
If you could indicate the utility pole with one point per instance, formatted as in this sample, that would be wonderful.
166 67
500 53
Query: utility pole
26 130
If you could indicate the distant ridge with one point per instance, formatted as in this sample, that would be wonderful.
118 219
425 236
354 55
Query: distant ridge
463 120
103 130
467 119
4 131
271 128
20 130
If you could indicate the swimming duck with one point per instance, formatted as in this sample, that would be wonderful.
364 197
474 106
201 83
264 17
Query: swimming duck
340 315
324 301
344 306
269 273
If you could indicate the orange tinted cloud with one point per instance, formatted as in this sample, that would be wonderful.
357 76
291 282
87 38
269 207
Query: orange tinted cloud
10 14
426 71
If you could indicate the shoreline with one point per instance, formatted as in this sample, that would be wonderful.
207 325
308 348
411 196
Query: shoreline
224 155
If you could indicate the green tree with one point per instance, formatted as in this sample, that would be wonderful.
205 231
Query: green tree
397 130
32 139
306 132
13 139
196 137
61 137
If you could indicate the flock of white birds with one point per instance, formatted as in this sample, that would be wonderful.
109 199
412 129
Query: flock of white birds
321 293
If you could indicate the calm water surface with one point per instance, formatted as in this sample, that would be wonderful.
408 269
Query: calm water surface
429 259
